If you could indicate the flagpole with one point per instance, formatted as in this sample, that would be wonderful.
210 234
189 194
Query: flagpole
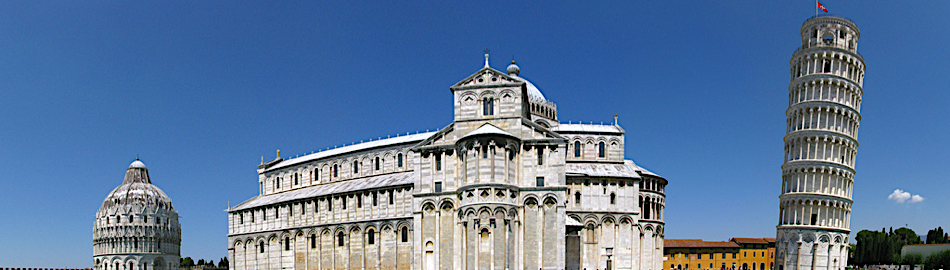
816 8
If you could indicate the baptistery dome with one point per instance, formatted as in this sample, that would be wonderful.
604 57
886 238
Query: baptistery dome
136 227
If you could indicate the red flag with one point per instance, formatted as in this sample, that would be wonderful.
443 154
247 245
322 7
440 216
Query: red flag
822 7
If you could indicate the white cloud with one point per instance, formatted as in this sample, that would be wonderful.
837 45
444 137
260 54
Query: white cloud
901 196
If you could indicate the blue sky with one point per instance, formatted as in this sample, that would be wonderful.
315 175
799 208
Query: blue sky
201 90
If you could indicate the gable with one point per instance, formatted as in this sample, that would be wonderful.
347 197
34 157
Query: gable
486 77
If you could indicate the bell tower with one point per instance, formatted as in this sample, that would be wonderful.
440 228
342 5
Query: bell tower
823 116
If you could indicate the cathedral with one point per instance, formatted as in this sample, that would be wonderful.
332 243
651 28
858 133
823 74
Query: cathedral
503 186
136 228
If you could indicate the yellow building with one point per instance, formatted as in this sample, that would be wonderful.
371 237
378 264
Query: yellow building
755 253
697 254
737 253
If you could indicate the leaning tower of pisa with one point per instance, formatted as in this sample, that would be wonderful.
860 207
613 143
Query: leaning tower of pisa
821 141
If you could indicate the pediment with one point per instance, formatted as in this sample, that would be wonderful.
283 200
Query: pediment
487 76
436 138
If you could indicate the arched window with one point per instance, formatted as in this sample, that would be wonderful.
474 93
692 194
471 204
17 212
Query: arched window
356 166
370 237
286 243
313 241
601 150
131 218
336 170
377 163
405 234
577 197
438 162
577 149
399 160
488 106
343 202
540 155
261 245
613 198
827 66
591 236
375 198
340 239
392 197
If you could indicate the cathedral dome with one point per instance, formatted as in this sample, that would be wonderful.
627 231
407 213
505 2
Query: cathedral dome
533 92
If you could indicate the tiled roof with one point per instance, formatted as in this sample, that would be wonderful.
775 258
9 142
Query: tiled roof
697 243
601 170
394 179
587 128
745 240
414 138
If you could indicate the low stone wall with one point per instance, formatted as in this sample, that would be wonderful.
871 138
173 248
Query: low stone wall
4 268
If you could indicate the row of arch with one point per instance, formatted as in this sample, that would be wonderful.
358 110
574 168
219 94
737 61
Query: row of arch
823 118
337 207
132 231
262 242
817 179
107 245
829 62
825 88
487 99
107 220
134 263
824 148
815 212
829 252
652 207
788 237
600 145
367 164
367 245
543 108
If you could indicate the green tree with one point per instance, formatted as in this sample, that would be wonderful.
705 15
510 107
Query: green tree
200 262
882 247
939 260
187 262
223 263
937 236
912 259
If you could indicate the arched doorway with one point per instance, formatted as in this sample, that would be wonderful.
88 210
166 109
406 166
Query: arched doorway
159 264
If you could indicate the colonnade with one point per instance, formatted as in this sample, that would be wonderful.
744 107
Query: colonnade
824 180
815 212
